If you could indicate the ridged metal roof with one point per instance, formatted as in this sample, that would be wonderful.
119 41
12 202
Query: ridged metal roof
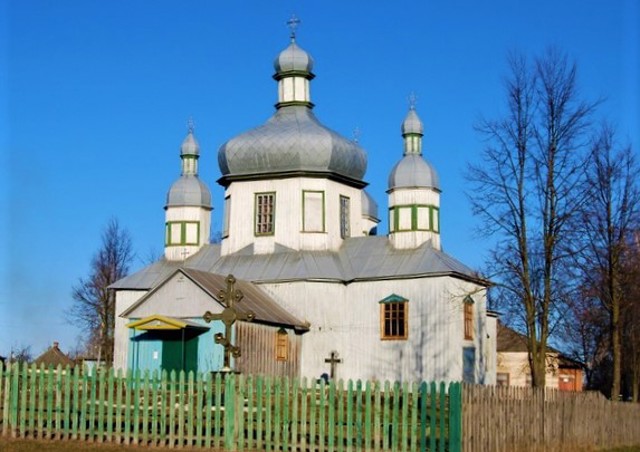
412 171
293 60
412 123
369 205
291 141
189 190
266 310
360 258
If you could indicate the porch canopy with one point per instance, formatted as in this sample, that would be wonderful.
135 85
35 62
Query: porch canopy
161 322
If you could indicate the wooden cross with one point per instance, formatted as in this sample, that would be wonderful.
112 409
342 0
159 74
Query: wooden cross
333 360
228 316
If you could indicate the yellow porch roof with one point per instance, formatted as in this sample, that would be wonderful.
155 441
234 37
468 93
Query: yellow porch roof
161 322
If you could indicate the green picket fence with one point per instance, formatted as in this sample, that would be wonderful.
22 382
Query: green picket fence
235 412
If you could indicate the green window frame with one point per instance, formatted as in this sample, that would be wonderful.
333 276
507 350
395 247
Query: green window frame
182 241
308 224
395 218
264 213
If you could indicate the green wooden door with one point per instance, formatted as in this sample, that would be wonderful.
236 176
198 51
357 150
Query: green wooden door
179 352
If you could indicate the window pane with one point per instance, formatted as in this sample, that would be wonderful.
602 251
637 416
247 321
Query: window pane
265 209
345 226
313 215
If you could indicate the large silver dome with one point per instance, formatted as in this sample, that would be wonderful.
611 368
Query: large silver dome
412 171
291 142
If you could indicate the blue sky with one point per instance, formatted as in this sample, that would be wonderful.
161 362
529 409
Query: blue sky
95 97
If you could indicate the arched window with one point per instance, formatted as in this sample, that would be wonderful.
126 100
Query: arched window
282 345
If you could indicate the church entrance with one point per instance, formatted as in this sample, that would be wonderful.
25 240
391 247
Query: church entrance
165 343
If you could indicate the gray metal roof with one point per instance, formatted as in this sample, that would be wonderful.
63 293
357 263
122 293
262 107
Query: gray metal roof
291 141
266 310
369 206
360 258
412 171
189 190
293 59
412 123
190 146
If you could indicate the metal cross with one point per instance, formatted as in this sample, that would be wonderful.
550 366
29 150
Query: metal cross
356 134
228 316
333 360
191 125
185 254
413 100
293 25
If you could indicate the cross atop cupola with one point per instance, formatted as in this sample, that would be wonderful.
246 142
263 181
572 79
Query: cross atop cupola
293 23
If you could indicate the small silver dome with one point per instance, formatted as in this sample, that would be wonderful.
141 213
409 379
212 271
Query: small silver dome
369 205
412 171
189 190
412 123
292 141
293 60
190 146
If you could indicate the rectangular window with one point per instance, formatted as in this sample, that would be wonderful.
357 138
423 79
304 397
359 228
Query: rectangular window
282 345
392 220
405 217
182 233
435 219
265 213
394 320
468 320
345 225
227 214
502 379
312 211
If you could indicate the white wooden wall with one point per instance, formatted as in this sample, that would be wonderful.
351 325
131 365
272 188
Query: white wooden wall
124 300
288 216
347 319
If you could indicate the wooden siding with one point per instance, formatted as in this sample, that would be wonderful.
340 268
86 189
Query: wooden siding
198 214
258 345
346 319
124 300
516 364
288 222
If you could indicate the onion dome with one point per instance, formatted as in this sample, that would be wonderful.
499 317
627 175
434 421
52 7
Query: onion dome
293 61
412 171
292 142
189 190
369 206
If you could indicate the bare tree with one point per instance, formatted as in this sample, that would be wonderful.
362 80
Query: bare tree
609 222
528 188
94 303
21 354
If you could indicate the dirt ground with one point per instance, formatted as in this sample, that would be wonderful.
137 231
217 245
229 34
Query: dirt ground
37 445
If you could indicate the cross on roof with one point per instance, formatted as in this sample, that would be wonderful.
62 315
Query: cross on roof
413 100
228 316
293 23
191 124
333 360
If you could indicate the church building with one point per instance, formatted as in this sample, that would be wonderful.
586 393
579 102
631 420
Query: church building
322 294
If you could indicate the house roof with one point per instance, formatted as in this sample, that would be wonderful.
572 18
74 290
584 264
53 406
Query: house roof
54 357
359 259
510 341
266 309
